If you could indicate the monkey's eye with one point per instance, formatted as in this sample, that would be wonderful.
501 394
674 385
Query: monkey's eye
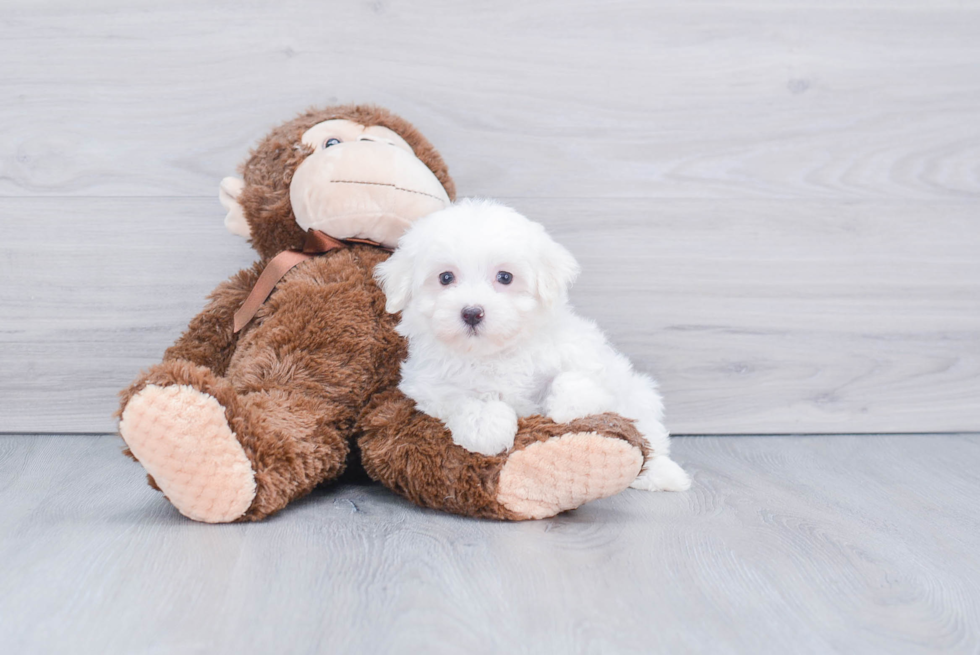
330 142
504 277
446 278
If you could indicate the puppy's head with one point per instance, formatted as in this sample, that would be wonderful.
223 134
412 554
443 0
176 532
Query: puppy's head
477 277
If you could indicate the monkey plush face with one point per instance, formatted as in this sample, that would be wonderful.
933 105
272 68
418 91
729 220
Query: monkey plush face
351 172
362 182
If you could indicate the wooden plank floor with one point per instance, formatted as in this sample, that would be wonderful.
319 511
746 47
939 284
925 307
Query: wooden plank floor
784 545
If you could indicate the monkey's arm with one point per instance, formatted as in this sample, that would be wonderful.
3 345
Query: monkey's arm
209 339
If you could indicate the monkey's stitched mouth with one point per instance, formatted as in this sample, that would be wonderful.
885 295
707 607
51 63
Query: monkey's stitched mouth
388 184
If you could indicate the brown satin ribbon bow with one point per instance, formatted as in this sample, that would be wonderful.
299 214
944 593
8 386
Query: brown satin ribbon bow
317 243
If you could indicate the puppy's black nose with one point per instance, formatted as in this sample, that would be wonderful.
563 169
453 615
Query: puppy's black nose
472 315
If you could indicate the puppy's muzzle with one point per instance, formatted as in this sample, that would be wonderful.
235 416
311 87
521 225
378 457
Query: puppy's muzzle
472 315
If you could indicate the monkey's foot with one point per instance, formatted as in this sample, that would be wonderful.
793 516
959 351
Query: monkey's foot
182 438
561 473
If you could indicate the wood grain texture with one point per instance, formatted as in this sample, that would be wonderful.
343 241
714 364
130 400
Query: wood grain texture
777 203
790 317
545 99
784 545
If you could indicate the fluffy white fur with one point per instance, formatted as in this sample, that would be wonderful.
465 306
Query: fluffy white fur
530 353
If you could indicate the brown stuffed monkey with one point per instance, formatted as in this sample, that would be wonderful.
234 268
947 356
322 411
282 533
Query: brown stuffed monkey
263 396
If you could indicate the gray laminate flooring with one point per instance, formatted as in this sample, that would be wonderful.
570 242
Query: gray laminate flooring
784 545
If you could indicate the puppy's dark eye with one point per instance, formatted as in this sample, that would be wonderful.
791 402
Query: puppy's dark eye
504 277
330 142
446 278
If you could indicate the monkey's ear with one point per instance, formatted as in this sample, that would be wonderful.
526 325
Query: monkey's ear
228 192
394 275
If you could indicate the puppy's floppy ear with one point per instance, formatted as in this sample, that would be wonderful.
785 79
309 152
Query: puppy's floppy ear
395 277
558 270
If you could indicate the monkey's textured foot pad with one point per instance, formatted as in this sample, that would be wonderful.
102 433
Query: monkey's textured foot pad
566 472
182 439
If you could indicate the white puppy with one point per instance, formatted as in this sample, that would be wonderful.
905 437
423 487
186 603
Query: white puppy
484 302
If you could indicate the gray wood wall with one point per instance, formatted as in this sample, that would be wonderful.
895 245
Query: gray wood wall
776 204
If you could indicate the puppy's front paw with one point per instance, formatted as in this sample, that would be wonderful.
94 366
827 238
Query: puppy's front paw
487 428
575 395
662 474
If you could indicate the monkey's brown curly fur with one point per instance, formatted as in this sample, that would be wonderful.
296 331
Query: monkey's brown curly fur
397 448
